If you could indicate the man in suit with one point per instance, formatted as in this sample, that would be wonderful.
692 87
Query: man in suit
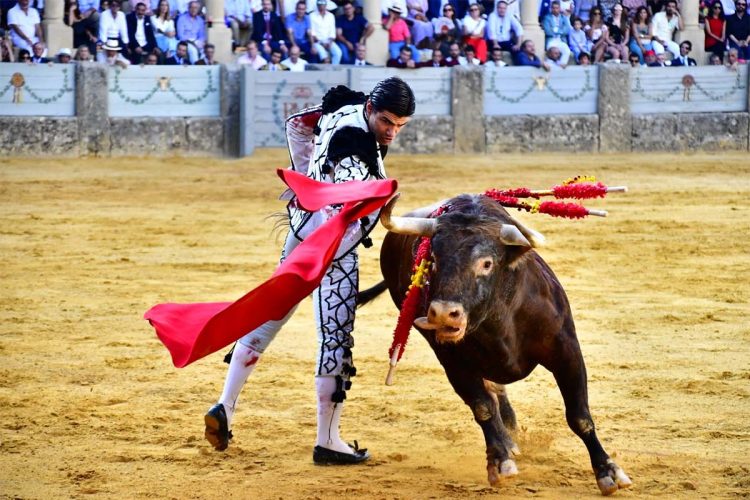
268 31
436 61
360 58
404 59
38 53
140 33
683 59
180 57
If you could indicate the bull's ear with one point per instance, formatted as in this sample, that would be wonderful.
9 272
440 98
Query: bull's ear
510 235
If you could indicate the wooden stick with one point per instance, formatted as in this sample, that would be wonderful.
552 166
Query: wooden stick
392 365
598 213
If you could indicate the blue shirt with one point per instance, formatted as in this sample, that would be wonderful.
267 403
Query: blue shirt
299 28
84 5
191 28
352 30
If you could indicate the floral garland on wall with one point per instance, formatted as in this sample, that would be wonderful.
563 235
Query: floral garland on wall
163 84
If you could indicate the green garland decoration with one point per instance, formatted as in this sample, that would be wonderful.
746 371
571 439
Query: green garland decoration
515 100
116 89
638 89
43 100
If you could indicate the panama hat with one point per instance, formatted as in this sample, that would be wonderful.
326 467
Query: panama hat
112 44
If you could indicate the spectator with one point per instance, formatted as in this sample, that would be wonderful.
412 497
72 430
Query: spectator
298 28
649 58
112 24
323 25
554 58
38 53
209 51
454 53
596 32
715 60
618 34
635 59
404 59
398 33
294 62
179 7
191 28
556 30
583 10
252 56
360 58
6 51
268 31
447 29
64 56
683 59
140 33
25 25
151 59
351 30
527 56
496 58
83 54
640 33
662 59
632 7
716 30
164 29
664 25
85 29
577 40
567 7
655 6
503 30
421 27
474 32
89 9
584 59
733 59
738 30
275 63
111 54
728 7
180 56
607 6
469 58
238 16
435 62
24 56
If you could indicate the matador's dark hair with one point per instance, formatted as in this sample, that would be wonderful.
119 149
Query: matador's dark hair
393 95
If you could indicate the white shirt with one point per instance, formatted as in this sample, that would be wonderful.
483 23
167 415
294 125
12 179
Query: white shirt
239 9
140 33
462 61
256 63
474 27
298 66
180 6
109 27
360 62
323 27
502 29
26 22
164 25
662 27
101 57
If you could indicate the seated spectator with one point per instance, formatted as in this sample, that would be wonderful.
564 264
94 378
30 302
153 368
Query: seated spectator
209 51
454 54
83 54
25 26
360 57
85 28
421 27
469 58
89 9
323 26
140 33
404 59
191 29
151 59
596 32
435 62
554 58
503 30
164 29
252 56
556 30
474 32
64 56
683 59
38 51
351 30
582 9
715 27
527 56
447 29
649 58
632 7
6 51
618 35
111 54
275 63
112 24
24 56
664 26
715 60
640 33
179 7
584 59
298 28
635 60
398 33
496 58
268 31
733 59
577 40
738 30
180 56
238 17
294 62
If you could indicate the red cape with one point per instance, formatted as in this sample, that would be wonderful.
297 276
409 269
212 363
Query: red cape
192 331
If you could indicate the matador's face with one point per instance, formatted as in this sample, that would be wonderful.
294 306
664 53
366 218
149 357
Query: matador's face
384 124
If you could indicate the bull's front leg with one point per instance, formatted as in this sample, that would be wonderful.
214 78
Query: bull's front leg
569 371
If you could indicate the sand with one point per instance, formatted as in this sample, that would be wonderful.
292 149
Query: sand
92 407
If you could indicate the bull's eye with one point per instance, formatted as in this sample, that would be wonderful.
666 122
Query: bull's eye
483 267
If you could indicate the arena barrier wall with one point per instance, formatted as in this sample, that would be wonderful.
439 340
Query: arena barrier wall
90 109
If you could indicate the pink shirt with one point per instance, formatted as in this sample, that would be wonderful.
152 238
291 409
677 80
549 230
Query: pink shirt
399 31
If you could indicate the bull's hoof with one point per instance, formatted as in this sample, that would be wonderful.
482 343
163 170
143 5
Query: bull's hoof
496 474
615 479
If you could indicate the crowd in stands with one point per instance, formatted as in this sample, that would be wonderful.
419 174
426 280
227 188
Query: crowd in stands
287 35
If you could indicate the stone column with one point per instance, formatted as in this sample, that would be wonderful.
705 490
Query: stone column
92 109
377 44
56 34
693 32
530 22
217 33
467 105
615 119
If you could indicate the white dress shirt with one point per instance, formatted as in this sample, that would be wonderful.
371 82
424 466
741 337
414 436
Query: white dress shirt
109 27
323 27
26 22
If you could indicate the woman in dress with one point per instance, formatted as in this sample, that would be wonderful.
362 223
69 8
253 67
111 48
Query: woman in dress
164 30
596 31
618 34
716 30
474 31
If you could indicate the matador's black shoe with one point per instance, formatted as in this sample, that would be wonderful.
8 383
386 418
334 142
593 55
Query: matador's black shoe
217 430
324 456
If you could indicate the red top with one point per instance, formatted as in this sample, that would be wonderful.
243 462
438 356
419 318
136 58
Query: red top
716 26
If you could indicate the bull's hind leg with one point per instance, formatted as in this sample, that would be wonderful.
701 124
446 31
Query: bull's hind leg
569 371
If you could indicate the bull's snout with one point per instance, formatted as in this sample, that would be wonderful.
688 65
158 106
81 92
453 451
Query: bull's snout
448 319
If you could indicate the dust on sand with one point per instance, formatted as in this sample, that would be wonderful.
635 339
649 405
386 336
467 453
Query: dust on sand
91 405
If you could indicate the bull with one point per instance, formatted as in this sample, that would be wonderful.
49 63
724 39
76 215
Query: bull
493 311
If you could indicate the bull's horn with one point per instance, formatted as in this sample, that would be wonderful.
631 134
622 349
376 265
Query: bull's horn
512 236
536 238
419 226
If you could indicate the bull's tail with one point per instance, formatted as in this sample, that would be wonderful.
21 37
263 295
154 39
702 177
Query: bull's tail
366 296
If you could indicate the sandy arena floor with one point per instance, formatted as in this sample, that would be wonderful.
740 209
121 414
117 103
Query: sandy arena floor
92 407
